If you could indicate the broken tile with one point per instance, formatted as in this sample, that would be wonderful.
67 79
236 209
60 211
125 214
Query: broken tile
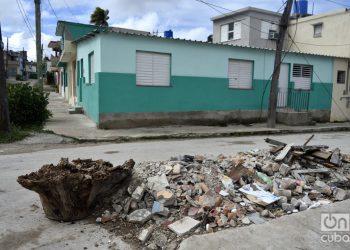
139 216
183 226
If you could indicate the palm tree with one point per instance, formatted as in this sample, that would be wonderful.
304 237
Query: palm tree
99 17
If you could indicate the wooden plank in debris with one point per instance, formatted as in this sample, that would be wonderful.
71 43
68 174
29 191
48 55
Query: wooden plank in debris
284 152
308 140
324 155
276 149
310 171
274 142
336 158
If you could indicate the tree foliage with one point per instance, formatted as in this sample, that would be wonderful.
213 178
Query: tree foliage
99 17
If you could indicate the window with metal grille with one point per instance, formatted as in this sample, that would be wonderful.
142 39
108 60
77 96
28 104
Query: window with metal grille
302 75
240 74
341 76
152 69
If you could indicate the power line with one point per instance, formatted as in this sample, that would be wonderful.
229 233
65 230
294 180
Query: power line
342 4
19 4
323 84
70 10
54 12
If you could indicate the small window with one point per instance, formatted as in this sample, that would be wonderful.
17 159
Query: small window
91 68
318 30
152 69
341 76
230 31
240 74
302 75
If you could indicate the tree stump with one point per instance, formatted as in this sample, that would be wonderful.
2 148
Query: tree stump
69 191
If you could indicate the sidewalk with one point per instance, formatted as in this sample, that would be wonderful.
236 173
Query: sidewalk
81 128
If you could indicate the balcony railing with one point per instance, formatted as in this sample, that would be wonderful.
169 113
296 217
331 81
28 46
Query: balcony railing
293 99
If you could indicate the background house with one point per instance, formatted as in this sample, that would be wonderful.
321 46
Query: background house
15 64
248 26
128 80
327 33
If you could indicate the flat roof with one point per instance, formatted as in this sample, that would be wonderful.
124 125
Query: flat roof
246 9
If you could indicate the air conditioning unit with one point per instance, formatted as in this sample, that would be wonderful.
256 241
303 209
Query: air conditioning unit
273 35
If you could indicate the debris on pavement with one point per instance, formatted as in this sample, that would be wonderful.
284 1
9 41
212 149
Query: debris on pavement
196 194
165 201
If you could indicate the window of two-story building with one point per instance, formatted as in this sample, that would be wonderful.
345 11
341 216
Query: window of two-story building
318 29
230 31
302 76
268 30
240 74
152 69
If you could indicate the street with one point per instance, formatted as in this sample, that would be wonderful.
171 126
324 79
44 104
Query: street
22 221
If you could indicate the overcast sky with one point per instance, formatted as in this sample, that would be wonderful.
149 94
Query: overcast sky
187 18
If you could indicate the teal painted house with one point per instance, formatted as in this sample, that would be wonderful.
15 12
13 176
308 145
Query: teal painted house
129 79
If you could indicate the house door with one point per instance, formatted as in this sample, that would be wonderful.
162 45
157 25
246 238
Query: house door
81 80
283 80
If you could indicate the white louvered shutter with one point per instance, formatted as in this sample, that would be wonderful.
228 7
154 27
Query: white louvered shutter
265 27
161 69
237 31
144 74
152 69
302 75
240 74
224 33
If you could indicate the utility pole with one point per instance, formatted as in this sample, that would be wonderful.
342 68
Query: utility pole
39 56
271 115
4 108
7 58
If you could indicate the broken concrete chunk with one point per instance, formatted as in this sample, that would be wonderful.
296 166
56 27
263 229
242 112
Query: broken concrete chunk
183 226
177 169
208 200
295 202
287 207
227 182
284 169
283 199
145 234
166 197
157 183
255 218
139 192
302 206
322 187
340 194
307 200
288 183
246 221
140 216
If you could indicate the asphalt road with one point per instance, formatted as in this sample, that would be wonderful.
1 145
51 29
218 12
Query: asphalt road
24 226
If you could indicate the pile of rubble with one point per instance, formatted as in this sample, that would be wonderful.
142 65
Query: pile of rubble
171 199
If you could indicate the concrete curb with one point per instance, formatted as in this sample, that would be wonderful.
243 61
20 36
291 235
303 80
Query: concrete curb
122 139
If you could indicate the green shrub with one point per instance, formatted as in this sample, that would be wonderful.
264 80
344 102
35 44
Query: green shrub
28 105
